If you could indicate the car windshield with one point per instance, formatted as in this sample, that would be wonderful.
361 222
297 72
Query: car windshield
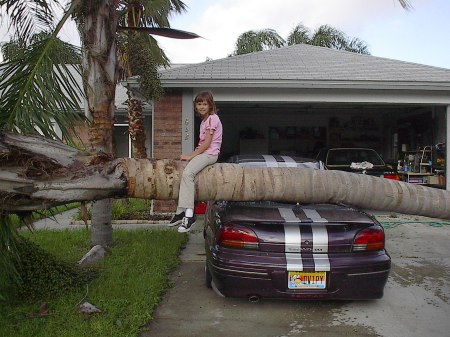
348 156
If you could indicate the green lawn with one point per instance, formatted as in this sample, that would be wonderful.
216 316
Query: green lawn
129 286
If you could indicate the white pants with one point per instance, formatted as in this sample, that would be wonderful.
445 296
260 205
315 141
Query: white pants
186 196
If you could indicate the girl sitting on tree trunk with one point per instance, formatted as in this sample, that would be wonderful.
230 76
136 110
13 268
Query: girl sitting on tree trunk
206 153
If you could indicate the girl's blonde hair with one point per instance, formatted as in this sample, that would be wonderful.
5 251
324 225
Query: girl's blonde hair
208 97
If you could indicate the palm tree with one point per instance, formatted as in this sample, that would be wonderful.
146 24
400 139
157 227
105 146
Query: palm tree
141 55
98 22
324 36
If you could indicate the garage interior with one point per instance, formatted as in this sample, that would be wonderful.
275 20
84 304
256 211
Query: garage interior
411 134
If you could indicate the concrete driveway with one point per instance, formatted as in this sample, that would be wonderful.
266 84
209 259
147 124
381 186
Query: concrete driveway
416 300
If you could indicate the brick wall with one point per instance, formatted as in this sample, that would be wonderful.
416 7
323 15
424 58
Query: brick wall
167 136
167 126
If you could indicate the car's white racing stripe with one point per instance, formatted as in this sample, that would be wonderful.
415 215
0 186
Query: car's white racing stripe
290 162
288 214
294 262
320 239
293 240
320 245
270 161
313 215
321 262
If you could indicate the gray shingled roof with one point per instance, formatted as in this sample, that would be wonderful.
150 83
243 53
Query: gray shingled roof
307 63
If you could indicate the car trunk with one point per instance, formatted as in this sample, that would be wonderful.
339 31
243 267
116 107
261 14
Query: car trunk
320 229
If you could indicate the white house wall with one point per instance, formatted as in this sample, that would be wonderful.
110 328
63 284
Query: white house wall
330 95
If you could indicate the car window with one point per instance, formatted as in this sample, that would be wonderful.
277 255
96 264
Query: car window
348 156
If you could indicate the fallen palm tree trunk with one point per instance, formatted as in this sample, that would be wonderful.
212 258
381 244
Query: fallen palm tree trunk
233 182
38 173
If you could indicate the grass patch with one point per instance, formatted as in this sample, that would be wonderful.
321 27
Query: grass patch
129 285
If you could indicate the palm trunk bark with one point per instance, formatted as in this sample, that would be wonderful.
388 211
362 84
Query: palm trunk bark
101 76
36 173
136 126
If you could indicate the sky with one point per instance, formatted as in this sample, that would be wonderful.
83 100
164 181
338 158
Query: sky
420 35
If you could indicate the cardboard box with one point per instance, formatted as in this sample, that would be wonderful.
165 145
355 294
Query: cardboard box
433 180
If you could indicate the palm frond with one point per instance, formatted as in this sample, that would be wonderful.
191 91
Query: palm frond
141 55
327 36
247 43
166 32
39 89
157 12
29 17
330 37
300 34
357 46
406 4
150 13
253 41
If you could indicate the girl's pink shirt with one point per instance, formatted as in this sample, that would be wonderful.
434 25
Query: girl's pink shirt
213 125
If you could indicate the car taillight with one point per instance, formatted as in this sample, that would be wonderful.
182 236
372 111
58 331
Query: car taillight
234 236
391 176
369 239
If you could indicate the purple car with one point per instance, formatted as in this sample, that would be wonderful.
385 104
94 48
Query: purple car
274 250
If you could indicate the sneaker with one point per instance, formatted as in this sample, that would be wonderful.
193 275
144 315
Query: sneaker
186 224
176 220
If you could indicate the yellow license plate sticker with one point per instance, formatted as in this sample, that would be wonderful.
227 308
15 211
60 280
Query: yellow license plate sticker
307 280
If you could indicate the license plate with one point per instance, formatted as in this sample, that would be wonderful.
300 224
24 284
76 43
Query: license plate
307 280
